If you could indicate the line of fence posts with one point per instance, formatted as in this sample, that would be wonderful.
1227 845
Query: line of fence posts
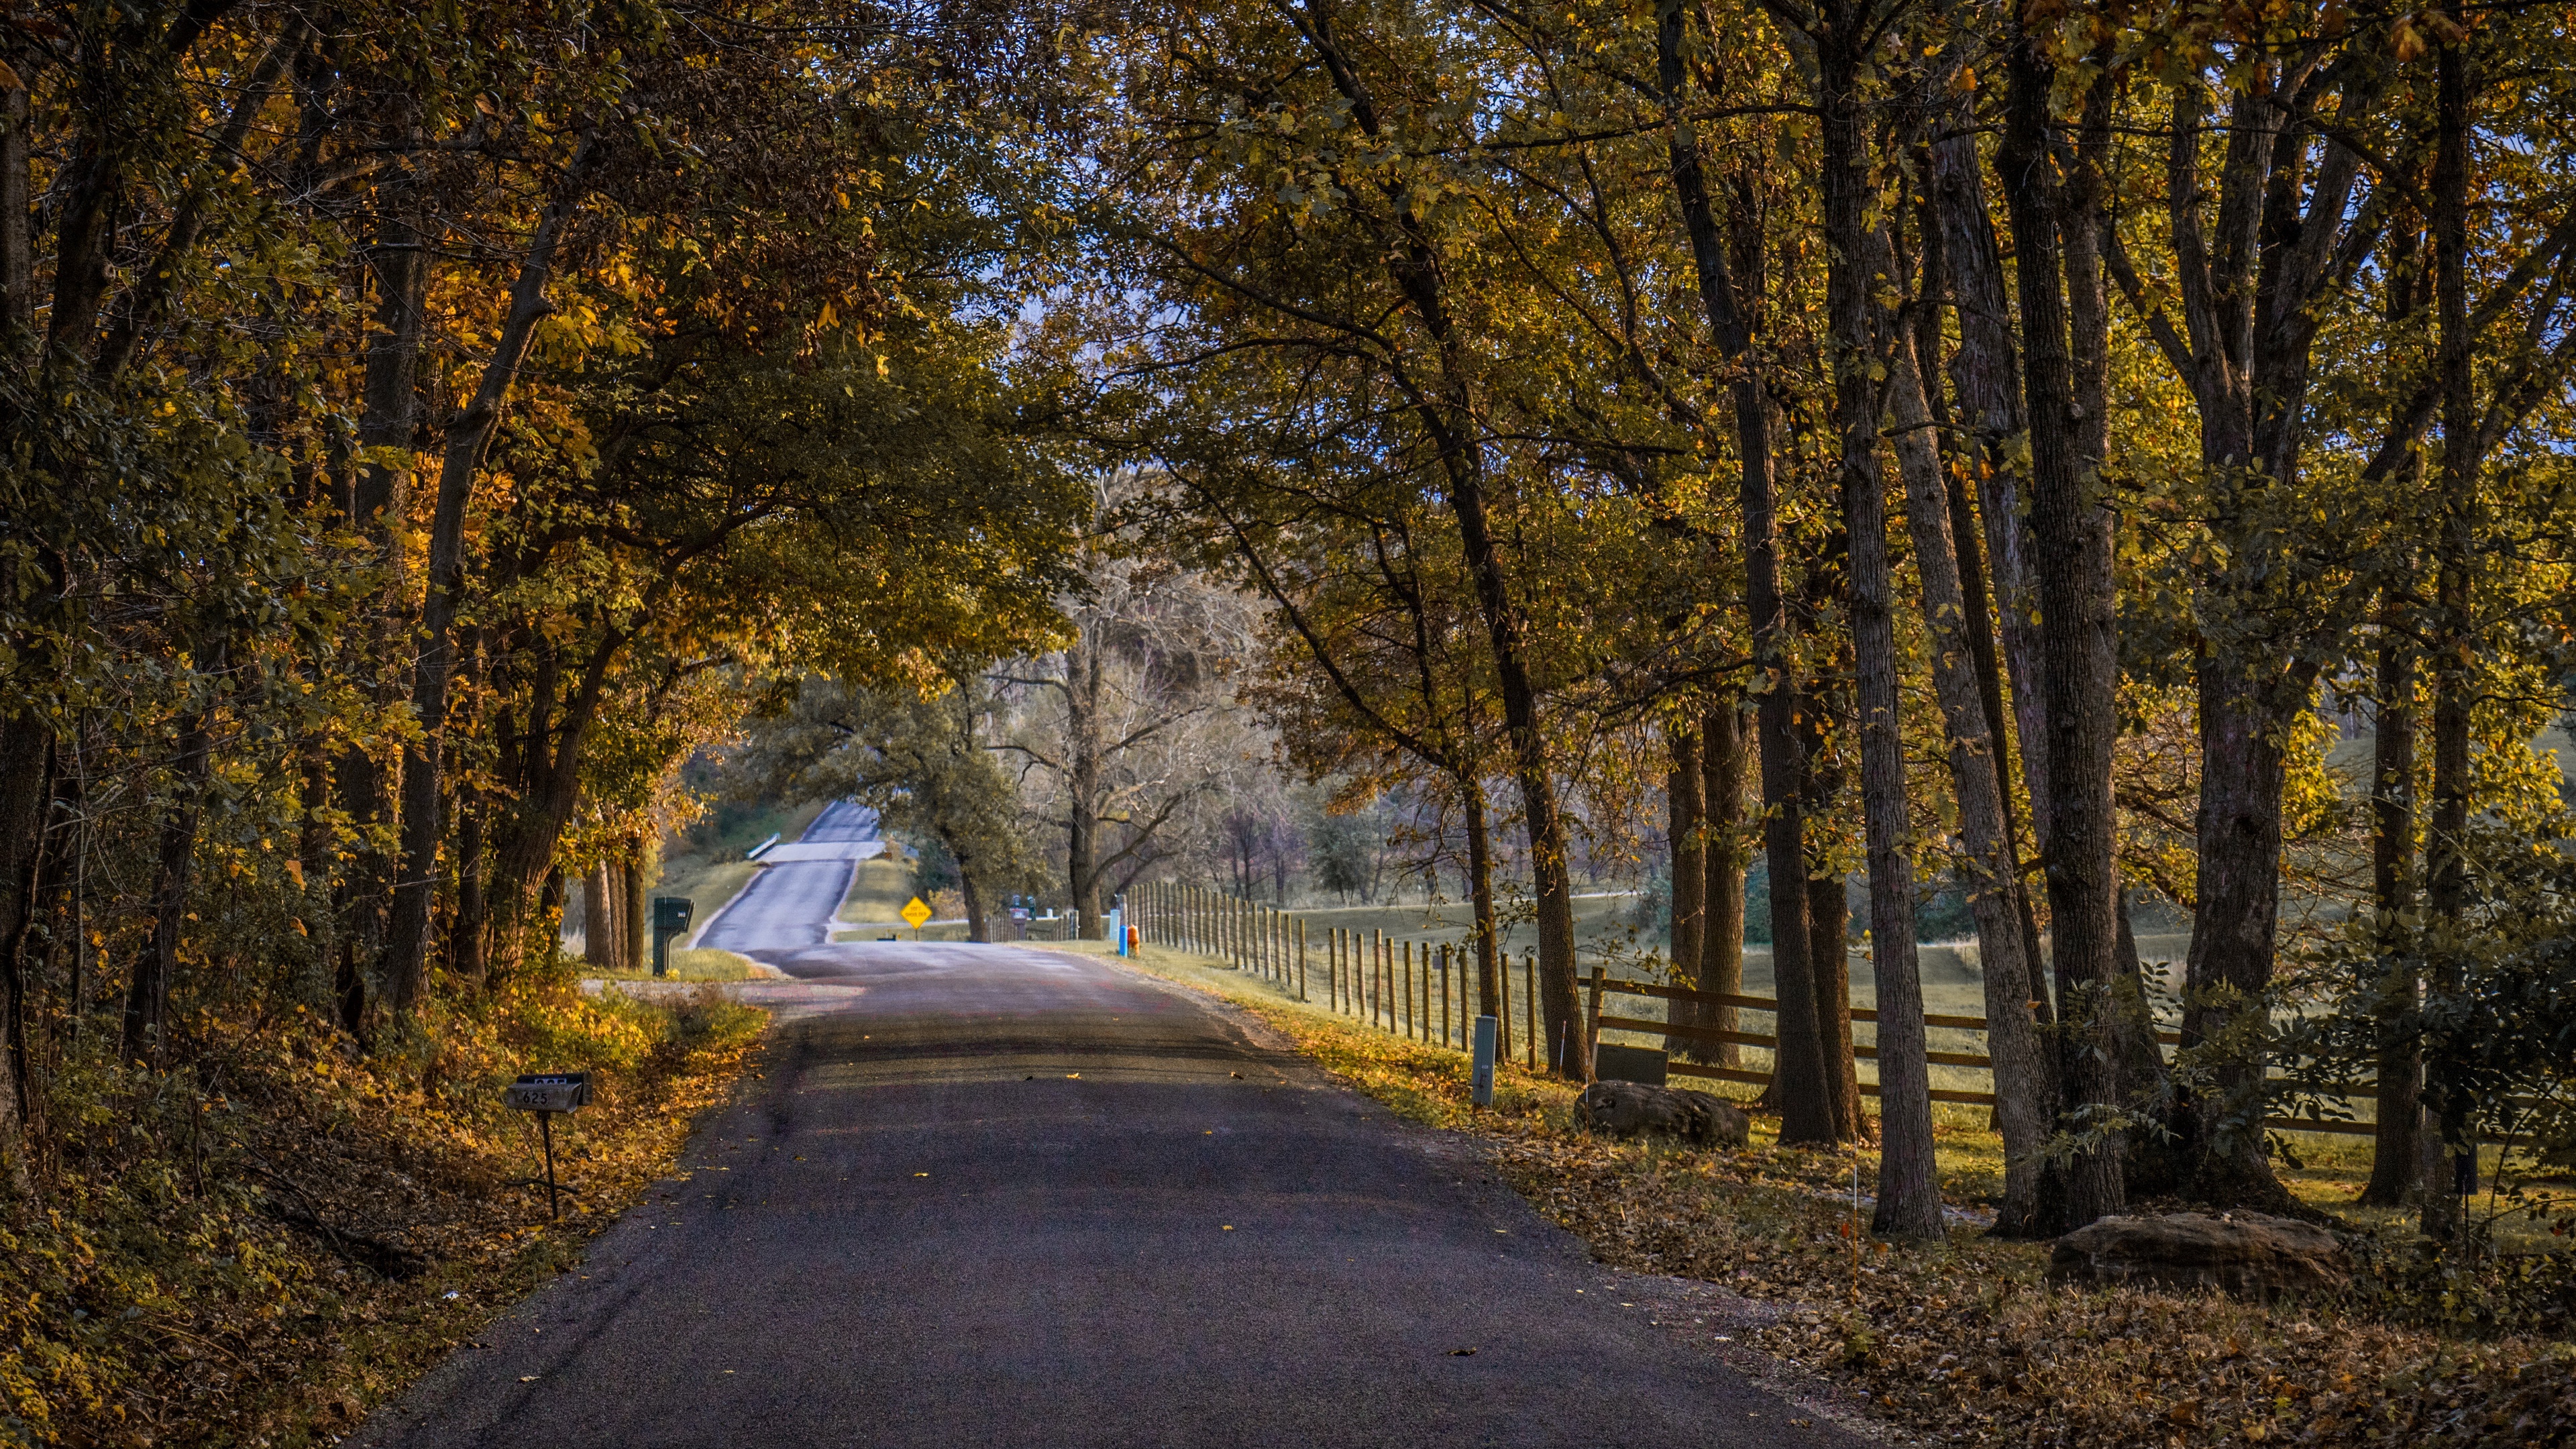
1369 977
1372 978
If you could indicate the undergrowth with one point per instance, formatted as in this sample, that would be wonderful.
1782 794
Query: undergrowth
260 1246
1966 1342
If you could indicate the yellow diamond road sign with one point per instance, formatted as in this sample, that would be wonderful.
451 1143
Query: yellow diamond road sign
914 913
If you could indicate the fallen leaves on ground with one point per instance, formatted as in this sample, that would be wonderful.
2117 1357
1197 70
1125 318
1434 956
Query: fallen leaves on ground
1964 1343
261 1249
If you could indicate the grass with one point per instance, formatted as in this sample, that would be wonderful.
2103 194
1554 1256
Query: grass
690 965
1963 1341
878 889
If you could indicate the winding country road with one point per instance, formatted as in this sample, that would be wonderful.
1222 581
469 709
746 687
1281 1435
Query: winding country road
800 886
992 1196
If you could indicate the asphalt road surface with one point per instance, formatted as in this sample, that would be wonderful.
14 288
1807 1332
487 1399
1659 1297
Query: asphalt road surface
990 1196
793 903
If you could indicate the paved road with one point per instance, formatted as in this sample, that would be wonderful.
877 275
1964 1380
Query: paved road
792 904
992 1196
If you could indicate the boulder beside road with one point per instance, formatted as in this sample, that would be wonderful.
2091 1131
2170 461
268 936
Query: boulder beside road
1633 1109
2249 1255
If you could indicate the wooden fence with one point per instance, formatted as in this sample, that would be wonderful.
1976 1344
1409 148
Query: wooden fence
1426 995
1419 990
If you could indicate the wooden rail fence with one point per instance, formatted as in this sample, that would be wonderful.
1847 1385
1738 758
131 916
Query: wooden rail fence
1427 995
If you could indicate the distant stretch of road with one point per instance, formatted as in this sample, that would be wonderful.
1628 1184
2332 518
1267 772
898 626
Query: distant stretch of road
792 902
984 1197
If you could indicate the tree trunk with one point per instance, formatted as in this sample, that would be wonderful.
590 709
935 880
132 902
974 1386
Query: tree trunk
1560 1008
598 936
972 889
1987 373
2026 1090
2071 533
1721 949
17 257
549 790
147 999
1909 1193
468 436
2396 1149
1082 666
1729 269
636 896
1684 832
26 777
1828 900
371 501
1490 985
2455 630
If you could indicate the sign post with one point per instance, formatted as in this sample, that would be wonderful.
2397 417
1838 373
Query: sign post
546 1093
914 914
670 918
1487 1034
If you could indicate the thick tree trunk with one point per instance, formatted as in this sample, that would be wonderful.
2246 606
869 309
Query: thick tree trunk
598 936
2455 625
2071 533
977 928
1909 1193
1684 822
1721 958
1987 373
2396 1139
2026 1090
1480 890
468 436
635 893
2234 929
1824 712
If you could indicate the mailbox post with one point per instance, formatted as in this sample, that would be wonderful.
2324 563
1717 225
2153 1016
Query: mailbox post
546 1093
670 918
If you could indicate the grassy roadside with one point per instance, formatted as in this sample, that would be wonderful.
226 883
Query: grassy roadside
1965 1342
703 964
260 1251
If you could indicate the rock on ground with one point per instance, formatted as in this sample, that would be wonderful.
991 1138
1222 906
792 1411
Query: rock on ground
2246 1254
1631 1109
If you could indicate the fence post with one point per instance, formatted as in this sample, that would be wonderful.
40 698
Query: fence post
1592 1021
1444 993
1380 968
1530 1027
1301 958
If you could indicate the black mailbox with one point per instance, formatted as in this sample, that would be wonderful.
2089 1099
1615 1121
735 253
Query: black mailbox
670 918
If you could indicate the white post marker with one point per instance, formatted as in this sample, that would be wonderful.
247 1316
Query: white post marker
1487 1033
